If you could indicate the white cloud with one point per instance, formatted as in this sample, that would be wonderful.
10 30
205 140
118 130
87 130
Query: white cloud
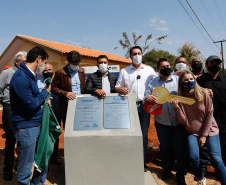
71 42
158 24
162 28
153 20
162 22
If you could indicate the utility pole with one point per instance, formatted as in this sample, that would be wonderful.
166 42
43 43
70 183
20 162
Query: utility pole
222 53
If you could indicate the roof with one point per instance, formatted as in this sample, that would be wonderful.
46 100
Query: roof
66 48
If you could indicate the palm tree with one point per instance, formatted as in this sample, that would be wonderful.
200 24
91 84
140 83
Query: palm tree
189 52
126 44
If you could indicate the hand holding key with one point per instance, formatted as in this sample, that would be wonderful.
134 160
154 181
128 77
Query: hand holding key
162 95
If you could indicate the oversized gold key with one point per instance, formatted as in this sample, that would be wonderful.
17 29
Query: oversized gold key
162 95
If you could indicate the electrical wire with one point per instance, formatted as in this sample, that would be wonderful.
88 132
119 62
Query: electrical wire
211 18
201 24
219 14
197 26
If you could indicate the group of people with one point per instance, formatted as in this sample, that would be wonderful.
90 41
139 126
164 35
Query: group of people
198 130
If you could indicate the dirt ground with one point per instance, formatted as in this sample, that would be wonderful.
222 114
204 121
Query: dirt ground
153 159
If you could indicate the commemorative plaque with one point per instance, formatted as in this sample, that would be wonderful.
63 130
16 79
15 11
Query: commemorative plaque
88 114
116 112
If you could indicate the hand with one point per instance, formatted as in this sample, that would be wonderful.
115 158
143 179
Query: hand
202 141
210 92
48 88
177 73
100 92
124 91
174 102
71 95
150 98
49 101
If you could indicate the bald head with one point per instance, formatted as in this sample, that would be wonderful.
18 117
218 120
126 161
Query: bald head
48 71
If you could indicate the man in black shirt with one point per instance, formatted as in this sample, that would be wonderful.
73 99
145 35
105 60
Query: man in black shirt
101 82
217 82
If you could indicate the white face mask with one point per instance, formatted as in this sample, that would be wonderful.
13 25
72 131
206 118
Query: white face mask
181 66
39 69
73 67
103 68
137 59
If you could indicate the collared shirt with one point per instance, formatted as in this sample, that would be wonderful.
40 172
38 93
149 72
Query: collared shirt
54 102
75 81
106 84
5 78
218 87
168 115
136 79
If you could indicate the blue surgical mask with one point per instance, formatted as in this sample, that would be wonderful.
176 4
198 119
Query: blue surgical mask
188 85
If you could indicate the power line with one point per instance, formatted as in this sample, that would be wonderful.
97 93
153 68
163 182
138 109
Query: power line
211 18
201 24
197 26
219 14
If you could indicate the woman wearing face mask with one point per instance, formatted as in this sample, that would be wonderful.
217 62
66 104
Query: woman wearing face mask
200 125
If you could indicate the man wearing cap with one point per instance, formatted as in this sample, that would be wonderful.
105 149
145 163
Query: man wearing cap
134 79
217 82
7 120
102 81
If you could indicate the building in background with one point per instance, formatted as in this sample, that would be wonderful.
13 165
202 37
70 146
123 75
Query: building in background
57 53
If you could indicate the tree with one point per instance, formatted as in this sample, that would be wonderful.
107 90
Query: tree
189 52
151 58
126 43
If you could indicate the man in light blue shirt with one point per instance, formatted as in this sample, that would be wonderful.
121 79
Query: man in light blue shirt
67 83
171 133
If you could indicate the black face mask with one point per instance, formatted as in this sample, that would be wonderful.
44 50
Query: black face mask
214 69
48 75
166 71
197 66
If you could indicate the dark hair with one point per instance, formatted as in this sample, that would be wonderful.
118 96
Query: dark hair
134 47
162 60
180 57
74 57
36 52
102 56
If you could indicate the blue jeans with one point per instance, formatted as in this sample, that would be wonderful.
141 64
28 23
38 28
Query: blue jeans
172 144
26 143
214 150
144 118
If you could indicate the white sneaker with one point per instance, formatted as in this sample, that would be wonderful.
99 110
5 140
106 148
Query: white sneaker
202 182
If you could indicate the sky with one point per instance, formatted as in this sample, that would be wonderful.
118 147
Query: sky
99 24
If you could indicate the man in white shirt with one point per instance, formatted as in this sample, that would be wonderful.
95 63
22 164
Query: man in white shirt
134 79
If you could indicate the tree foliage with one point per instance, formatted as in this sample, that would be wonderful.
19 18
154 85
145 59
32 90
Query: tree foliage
189 52
125 43
151 58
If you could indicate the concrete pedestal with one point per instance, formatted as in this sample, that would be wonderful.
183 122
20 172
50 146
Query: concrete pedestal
104 157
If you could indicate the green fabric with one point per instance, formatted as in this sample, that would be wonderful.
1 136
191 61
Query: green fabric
50 131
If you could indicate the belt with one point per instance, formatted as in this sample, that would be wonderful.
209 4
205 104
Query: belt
139 102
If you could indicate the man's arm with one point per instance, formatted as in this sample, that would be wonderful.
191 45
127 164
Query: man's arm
56 86
3 80
89 89
120 84
22 89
